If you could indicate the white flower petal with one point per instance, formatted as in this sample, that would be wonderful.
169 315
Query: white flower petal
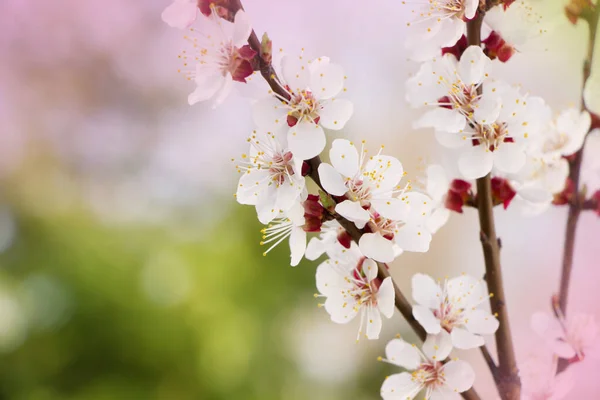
354 212
327 80
206 87
402 354
487 110
475 162
385 297
400 387
329 280
452 140
591 93
482 322
376 247
341 309
344 157
442 119
306 140
471 8
472 65
315 249
438 218
241 29
392 208
425 291
464 340
297 245
509 158
331 180
250 184
383 173
295 71
335 113
427 320
369 268
437 182
413 238
438 347
459 376
269 113
373 323
180 14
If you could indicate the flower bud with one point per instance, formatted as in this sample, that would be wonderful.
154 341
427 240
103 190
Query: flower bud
576 8
459 194
564 197
458 49
266 49
502 192
496 47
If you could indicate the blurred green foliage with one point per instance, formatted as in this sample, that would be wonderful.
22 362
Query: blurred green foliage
146 313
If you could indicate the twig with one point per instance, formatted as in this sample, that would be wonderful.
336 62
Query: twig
574 175
507 373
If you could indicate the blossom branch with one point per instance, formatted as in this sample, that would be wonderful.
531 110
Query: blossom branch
578 204
507 376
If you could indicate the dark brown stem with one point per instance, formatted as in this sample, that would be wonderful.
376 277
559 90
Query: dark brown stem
507 373
574 175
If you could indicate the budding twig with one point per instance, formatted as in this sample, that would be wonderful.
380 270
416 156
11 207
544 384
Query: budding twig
575 162
506 375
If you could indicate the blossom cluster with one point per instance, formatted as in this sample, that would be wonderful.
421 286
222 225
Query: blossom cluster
365 213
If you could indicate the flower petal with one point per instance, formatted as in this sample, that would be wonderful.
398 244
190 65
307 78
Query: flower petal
376 247
329 280
335 113
373 323
402 354
475 162
425 291
354 212
392 208
344 157
464 340
327 80
295 72
442 119
206 87
383 173
306 140
509 158
297 245
413 238
241 29
180 14
369 268
341 309
269 113
427 320
472 65
385 297
400 386
459 376
438 347
331 180
482 322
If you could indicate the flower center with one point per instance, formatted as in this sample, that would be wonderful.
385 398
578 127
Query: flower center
450 8
385 227
280 167
430 374
449 315
491 136
303 105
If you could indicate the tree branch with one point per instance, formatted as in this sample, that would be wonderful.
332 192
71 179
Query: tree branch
507 373
574 174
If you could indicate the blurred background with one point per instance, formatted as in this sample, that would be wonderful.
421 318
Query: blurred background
127 269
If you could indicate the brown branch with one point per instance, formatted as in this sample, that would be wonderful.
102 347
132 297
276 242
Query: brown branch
507 373
574 175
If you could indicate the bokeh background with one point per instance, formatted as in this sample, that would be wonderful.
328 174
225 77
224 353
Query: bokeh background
127 270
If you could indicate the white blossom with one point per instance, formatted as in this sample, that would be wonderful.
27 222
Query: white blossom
219 55
439 380
436 187
349 282
451 310
328 240
539 380
271 176
181 13
366 182
289 224
449 87
437 24
312 87
574 336
546 169
502 123
385 239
